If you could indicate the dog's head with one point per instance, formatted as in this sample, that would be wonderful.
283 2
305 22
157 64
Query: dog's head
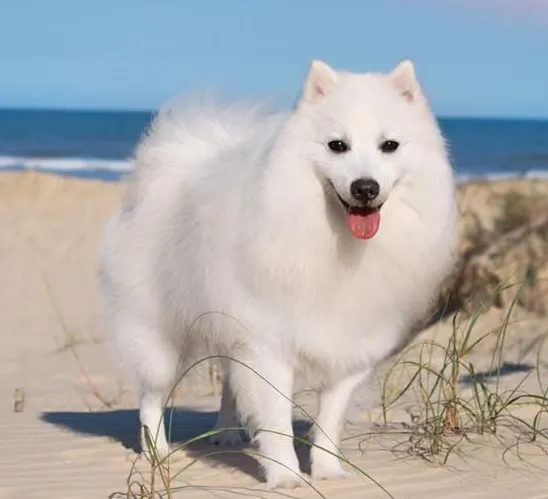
363 133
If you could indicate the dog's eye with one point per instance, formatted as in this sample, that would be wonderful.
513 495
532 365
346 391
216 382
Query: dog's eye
389 146
338 146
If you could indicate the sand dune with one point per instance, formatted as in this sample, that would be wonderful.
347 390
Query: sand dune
68 420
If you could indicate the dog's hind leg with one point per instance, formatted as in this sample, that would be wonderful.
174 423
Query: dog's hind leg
228 420
329 425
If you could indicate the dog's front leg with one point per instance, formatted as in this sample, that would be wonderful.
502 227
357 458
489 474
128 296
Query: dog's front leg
263 386
329 425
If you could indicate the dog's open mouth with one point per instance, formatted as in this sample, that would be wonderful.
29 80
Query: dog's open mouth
363 221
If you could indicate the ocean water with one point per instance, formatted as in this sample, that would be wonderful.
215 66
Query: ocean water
93 144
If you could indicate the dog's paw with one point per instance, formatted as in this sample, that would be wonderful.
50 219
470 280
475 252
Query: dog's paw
282 478
154 449
159 452
327 469
227 438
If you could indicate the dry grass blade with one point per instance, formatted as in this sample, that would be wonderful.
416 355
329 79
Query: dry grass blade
108 404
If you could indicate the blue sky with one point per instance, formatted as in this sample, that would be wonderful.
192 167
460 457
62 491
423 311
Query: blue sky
474 57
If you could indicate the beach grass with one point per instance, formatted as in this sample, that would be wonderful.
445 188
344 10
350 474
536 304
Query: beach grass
444 410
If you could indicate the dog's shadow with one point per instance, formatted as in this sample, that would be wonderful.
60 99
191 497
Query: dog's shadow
183 426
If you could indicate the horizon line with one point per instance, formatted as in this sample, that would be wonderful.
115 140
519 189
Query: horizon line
106 110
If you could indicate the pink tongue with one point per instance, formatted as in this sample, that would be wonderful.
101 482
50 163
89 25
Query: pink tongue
364 225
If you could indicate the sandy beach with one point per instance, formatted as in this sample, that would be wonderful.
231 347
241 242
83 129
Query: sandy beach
69 421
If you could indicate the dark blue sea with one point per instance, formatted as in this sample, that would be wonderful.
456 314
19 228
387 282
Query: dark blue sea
99 144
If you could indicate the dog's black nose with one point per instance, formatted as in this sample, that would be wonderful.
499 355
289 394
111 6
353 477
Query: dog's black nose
364 189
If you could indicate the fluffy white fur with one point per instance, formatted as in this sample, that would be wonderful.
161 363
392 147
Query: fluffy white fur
231 241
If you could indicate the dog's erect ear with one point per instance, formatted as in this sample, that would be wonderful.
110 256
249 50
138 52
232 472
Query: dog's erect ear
405 80
320 80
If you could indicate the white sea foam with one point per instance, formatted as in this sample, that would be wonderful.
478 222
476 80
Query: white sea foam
64 165
96 166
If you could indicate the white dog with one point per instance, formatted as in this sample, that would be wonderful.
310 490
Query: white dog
307 242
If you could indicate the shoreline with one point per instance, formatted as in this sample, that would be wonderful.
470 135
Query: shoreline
112 170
